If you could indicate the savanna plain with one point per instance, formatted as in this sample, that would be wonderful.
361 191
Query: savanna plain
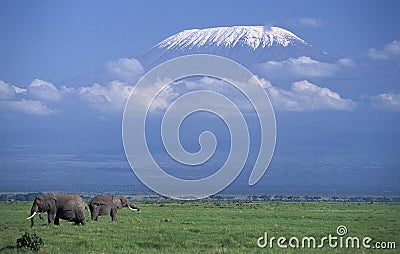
205 227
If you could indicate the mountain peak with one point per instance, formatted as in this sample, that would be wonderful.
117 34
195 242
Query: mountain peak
253 37
248 45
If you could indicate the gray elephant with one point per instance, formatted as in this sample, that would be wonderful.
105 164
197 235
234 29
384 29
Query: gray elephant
103 205
68 207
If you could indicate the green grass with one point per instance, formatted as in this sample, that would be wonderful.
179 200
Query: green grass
200 227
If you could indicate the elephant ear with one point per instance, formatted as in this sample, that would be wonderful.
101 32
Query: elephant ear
117 202
38 200
124 201
49 203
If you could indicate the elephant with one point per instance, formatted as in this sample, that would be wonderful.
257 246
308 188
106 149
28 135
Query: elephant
103 205
68 207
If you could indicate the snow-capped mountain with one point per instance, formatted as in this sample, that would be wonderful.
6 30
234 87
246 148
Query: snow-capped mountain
248 45
245 36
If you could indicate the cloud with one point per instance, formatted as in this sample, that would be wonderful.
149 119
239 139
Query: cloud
390 51
43 90
125 69
346 62
209 83
386 101
111 98
6 91
40 95
16 99
305 22
305 96
26 106
303 66
107 99
177 88
162 98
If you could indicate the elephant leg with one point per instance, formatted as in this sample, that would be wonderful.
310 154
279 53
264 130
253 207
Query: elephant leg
95 213
92 212
83 221
77 222
57 221
96 216
51 217
113 214
80 217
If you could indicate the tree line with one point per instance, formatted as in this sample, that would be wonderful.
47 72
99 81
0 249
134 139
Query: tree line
20 196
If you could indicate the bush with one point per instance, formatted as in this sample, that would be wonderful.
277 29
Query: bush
30 241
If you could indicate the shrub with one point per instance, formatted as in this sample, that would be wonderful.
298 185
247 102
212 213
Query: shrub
30 241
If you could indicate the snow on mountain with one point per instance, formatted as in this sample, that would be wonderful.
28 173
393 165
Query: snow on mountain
252 46
248 45
245 36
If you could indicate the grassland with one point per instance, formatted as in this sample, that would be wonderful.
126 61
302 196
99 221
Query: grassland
205 227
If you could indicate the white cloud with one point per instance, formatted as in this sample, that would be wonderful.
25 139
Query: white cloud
19 90
111 98
107 99
178 88
41 94
390 51
302 96
26 106
125 69
346 62
303 66
11 101
44 90
305 96
6 91
386 101
66 90
161 99
210 83
305 22
376 54
164 99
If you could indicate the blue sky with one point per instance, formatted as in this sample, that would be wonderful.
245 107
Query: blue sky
57 40
45 44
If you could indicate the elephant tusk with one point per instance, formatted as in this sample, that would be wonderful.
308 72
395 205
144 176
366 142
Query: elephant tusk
30 217
133 209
